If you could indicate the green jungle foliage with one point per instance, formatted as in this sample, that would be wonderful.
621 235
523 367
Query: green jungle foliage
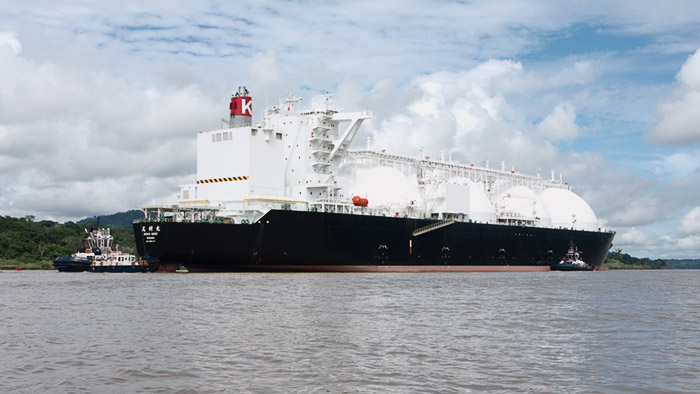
30 244
619 260
684 264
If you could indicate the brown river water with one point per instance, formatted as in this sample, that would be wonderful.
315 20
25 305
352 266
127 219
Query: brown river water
614 331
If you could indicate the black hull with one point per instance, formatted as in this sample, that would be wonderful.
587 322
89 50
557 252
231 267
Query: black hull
297 241
71 264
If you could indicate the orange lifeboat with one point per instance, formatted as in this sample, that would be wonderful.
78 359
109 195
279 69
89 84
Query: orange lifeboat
359 201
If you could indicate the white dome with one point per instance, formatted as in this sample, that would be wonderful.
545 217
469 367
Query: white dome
569 210
524 202
385 186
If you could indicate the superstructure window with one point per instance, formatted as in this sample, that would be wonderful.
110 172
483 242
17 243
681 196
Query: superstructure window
278 136
218 137
253 132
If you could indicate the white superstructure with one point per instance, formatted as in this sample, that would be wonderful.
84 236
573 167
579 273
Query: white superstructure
300 160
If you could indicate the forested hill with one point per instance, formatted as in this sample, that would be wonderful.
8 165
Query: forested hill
619 260
683 263
119 219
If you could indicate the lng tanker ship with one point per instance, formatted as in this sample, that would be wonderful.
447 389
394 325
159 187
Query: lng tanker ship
288 194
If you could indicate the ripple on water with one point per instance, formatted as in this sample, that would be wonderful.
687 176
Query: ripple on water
605 332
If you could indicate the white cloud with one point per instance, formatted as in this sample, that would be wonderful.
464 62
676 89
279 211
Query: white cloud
443 110
690 224
560 125
268 79
582 71
679 121
9 39
640 243
75 199
690 244
690 72
632 237
75 143
678 164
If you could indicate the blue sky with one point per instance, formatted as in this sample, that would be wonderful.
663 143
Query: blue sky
100 101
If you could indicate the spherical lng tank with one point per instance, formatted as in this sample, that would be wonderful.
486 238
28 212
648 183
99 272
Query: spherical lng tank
568 210
522 202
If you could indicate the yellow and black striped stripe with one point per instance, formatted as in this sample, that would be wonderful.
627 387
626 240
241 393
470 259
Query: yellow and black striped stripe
229 179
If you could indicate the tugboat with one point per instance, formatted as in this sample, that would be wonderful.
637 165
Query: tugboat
113 260
118 262
98 256
571 262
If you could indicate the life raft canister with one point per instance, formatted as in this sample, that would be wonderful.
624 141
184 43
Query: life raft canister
359 201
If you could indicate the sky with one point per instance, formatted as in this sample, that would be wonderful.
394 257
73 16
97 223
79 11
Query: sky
100 101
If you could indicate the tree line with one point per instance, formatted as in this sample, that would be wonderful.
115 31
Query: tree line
619 260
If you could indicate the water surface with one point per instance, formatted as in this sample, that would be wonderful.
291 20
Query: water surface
445 332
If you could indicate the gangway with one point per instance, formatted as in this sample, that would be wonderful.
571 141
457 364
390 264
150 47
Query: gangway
433 226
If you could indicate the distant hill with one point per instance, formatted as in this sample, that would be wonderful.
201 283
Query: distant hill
619 260
119 219
683 263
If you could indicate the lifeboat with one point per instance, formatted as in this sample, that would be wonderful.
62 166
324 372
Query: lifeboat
359 201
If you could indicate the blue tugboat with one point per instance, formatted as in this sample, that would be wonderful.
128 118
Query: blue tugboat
571 262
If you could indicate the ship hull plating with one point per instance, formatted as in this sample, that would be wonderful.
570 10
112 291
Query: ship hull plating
297 241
